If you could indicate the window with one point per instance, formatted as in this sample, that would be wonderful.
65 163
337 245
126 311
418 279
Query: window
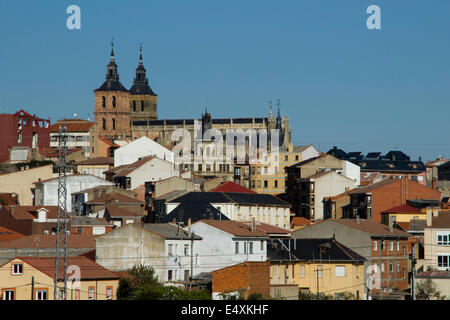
382 245
91 293
134 105
114 123
266 183
186 275
443 261
251 248
302 271
186 249
170 275
17 268
109 293
114 102
375 245
266 170
382 267
391 267
8 294
391 246
296 157
443 239
142 106
276 183
104 102
262 245
170 250
41 294
245 247
398 246
286 158
253 184
236 247
259 184
339 271
104 124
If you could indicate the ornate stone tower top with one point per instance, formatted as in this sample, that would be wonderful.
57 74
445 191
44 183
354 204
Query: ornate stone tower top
112 82
140 84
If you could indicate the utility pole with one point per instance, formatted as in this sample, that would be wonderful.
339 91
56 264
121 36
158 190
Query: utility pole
32 288
192 258
379 257
61 239
413 266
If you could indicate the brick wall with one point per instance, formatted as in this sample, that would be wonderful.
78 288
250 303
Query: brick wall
396 194
250 277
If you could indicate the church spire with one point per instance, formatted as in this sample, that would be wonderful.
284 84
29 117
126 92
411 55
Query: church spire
140 84
112 73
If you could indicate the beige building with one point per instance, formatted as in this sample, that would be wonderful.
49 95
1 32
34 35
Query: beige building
95 166
21 182
81 134
271 176
437 241
32 278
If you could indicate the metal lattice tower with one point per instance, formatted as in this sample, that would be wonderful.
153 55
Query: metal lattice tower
60 280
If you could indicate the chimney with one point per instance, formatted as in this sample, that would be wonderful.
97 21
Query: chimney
435 212
429 217
189 227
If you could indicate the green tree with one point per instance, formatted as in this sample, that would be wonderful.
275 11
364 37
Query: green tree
426 289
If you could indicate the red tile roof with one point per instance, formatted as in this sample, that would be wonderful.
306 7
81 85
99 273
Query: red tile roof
405 208
112 197
234 227
49 241
98 160
373 228
266 228
108 141
30 212
115 211
89 269
300 221
9 235
9 198
231 187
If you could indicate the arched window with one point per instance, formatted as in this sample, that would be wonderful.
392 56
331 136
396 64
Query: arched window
114 101
104 124
114 123
104 101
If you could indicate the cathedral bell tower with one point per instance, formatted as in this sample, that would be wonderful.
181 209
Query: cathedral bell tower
143 101
111 104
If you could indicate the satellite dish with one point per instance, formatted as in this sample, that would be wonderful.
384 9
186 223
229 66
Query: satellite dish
75 115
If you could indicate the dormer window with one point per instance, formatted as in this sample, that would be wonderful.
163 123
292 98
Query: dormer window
17 269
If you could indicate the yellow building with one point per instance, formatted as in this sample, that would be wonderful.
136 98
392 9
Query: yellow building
405 213
318 266
269 176
32 278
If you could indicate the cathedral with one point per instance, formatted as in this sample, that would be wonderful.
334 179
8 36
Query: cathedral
122 113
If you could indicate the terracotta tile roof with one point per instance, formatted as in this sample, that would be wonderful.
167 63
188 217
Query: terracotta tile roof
108 141
441 221
231 187
169 231
78 126
437 162
9 198
372 187
99 160
124 170
405 208
403 226
115 212
49 241
89 269
9 235
300 221
30 212
112 197
373 228
234 227
267 228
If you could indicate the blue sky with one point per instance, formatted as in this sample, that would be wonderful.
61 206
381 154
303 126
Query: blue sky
339 83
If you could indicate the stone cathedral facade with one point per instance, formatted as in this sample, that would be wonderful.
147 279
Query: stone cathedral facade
132 113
